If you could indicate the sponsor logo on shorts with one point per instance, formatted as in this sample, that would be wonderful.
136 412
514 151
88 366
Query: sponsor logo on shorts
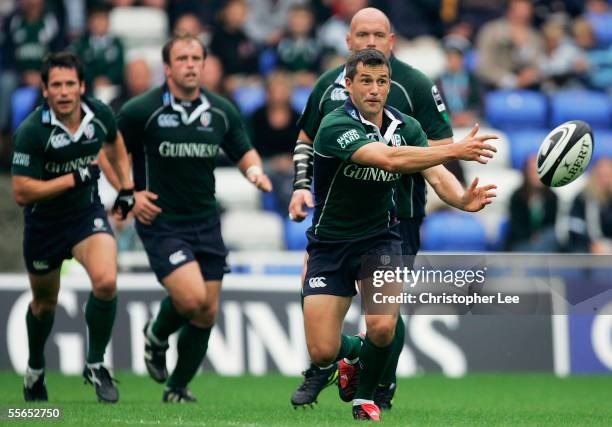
40 265
99 225
168 121
177 257
317 282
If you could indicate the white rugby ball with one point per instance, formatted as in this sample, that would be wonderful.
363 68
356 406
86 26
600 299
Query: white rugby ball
565 153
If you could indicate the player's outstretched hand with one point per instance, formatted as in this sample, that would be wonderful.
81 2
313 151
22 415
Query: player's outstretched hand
124 203
145 210
299 199
474 148
261 181
476 198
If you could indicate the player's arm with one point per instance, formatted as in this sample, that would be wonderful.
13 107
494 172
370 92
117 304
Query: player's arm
108 171
251 166
450 190
303 160
440 142
29 190
411 159
120 164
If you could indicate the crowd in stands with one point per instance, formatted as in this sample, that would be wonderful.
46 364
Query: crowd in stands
265 55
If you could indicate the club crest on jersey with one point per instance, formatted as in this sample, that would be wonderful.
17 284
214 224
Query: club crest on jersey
205 119
60 140
98 225
339 94
89 131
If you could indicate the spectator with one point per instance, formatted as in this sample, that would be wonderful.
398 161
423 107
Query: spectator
335 29
100 51
206 11
212 77
591 212
533 214
510 49
237 52
460 88
298 51
561 64
190 23
267 19
28 35
274 127
160 4
137 80
598 62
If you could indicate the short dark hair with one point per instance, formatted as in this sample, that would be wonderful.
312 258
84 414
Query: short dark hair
63 59
368 57
177 38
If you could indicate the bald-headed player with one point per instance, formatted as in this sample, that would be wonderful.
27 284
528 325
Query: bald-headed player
413 94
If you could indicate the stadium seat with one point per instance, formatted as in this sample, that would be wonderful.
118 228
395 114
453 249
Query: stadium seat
139 26
23 102
299 97
512 109
524 143
593 107
601 27
451 231
603 144
251 230
295 233
267 61
249 98
233 191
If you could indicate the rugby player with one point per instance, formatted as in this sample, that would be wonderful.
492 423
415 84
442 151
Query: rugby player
361 150
55 173
174 133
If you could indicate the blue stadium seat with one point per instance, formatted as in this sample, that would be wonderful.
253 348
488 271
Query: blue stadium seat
299 97
603 143
512 109
593 107
453 231
23 102
267 61
524 143
601 27
295 233
268 201
249 98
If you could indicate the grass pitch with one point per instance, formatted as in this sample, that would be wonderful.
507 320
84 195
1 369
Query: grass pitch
509 400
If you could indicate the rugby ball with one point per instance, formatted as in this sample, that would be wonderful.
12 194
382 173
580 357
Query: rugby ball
565 153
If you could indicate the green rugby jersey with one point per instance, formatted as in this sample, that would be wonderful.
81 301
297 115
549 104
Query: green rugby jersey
352 200
46 149
412 93
179 148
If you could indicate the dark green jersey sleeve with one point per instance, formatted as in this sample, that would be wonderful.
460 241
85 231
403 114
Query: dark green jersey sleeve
339 137
236 142
430 110
130 121
28 157
107 118
311 117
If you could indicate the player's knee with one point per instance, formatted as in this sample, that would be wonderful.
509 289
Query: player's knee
206 317
190 306
104 286
43 307
381 330
322 355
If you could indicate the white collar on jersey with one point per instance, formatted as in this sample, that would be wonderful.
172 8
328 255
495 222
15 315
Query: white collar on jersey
195 114
390 112
89 116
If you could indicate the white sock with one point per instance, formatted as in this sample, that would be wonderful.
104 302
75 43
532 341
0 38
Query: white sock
31 376
94 365
153 338
361 401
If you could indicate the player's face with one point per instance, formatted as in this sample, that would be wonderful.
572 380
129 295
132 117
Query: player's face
369 89
186 64
63 91
374 34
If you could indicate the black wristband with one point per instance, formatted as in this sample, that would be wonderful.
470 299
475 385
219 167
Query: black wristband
303 160
124 202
